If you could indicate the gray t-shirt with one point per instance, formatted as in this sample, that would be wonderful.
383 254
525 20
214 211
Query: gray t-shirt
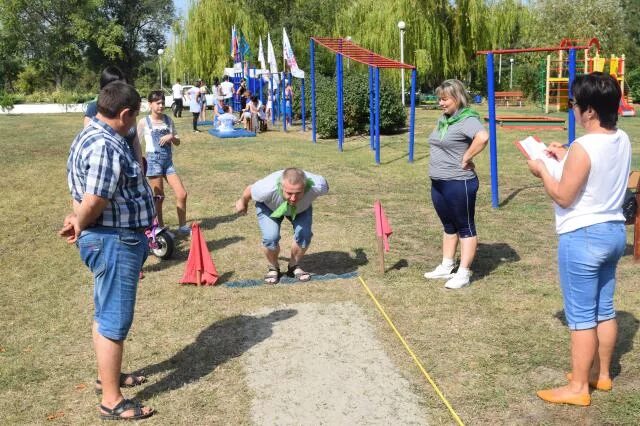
266 191
446 154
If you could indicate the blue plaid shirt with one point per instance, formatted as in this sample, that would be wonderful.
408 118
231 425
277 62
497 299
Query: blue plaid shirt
101 163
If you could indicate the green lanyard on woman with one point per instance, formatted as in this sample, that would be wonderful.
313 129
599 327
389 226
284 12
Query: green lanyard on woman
444 123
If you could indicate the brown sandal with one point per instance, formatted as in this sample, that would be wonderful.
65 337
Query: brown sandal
127 380
298 273
272 276
116 412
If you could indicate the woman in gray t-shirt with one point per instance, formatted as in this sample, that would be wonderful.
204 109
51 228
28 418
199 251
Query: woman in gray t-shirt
458 137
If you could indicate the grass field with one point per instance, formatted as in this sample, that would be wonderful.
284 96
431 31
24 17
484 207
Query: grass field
489 347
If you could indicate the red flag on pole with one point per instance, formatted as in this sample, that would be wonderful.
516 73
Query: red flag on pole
200 268
383 229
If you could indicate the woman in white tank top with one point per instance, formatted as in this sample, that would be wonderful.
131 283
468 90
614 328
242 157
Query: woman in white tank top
588 189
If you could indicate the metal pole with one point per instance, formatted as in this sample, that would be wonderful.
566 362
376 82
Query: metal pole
572 75
377 115
511 73
339 100
412 119
312 71
371 118
284 104
273 101
493 141
499 68
402 61
302 106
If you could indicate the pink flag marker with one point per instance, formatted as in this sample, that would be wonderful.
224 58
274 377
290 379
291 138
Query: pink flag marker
383 229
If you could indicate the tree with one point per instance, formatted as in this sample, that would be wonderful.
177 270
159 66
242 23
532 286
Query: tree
131 32
46 29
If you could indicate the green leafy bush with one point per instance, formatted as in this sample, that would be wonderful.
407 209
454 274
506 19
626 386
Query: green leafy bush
58 97
356 105
7 101
633 80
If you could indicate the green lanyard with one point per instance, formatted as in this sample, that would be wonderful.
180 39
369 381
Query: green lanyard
286 209
444 123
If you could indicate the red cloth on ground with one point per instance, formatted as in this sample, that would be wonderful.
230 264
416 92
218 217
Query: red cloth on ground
383 229
199 261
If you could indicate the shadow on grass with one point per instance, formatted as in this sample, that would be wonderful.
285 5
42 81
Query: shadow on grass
215 345
628 251
418 158
181 253
212 222
400 264
514 194
628 326
333 262
490 256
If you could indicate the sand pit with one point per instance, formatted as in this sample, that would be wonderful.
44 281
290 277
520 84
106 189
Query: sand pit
322 364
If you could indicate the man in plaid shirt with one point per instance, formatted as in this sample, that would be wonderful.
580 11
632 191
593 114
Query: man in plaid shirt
112 204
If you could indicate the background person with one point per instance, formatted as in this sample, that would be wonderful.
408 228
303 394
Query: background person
458 137
194 105
203 100
108 75
226 88
160 136
288 98
176 90
285 193
226 120
588 189
113 204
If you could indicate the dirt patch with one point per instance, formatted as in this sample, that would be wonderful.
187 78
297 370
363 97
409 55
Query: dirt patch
323 365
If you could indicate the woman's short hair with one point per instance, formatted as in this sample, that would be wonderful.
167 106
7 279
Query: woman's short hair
155 96
454 89
602 93
110 74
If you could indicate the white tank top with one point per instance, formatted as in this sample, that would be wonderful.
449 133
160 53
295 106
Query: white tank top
601 198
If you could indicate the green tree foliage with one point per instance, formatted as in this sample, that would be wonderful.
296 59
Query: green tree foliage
203 46
46 29
356 106
64 39
553 20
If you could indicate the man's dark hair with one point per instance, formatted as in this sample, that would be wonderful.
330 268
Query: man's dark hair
116 96
225 78
216 81
602 93
254 99
111 74
155 96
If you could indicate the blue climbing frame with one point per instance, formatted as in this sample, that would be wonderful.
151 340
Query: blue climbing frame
491 98
346 48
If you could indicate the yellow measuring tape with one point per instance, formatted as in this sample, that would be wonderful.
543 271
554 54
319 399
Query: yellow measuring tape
415 358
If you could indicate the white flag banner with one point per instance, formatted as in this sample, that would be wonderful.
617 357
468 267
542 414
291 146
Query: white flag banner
289 57
271 58
261 55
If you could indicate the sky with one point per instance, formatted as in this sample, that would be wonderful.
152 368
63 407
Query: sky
181 7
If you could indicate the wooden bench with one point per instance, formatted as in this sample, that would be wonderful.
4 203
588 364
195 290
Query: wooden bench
634 185
509 98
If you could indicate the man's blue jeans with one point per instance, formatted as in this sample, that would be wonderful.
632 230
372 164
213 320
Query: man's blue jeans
115 257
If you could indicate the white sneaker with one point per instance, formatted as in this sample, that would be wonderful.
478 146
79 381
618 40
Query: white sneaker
184 230
458 281
441 271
